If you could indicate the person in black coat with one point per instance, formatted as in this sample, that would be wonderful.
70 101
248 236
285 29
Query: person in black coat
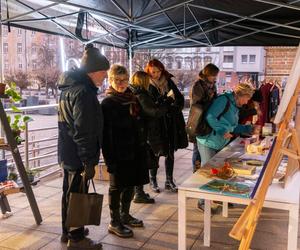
80 124
124 150
169 134
150 114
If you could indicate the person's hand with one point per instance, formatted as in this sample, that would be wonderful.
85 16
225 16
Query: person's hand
89 172
256 129
228 135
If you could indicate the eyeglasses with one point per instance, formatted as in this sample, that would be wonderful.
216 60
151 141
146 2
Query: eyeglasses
120 81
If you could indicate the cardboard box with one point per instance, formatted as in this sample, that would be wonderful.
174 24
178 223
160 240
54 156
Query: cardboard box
101 173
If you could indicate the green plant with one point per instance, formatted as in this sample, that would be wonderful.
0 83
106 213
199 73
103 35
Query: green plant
12 176
18 124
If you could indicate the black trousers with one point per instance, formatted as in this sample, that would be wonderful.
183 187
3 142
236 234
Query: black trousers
71 184
169 166
119 198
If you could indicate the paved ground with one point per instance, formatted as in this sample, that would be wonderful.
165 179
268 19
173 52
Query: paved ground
160 219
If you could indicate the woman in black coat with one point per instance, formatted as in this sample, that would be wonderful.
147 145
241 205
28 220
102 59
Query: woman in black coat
169 134
150 114
124 150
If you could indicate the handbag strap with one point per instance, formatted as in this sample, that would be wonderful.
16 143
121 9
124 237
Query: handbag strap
93 185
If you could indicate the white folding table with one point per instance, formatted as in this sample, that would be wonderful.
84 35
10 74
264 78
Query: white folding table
277 198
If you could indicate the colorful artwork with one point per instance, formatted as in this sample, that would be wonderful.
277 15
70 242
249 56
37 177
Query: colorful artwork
228 188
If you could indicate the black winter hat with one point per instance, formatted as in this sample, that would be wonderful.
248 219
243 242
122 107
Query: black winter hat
92 60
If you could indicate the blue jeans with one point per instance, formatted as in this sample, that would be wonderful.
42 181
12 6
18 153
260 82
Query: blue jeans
206 153
196 156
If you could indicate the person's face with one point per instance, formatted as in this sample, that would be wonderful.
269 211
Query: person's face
242 100
119 83
98 77
212 79
154 73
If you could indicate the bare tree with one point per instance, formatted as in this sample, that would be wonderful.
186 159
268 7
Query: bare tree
49 78
20 78
47 73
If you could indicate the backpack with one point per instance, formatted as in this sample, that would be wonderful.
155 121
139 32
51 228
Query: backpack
197 123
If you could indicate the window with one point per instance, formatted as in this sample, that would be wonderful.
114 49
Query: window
71 45
20 65
19 48
19 32
33 33
252 58
188 62
197 62
178 62
34 65
244 58
169 62
228 59
5 48
228 76
207 60
33 49
5 30
6 65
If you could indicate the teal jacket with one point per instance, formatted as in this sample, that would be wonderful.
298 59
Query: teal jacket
227 122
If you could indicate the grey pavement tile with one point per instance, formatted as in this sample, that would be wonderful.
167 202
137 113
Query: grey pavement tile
28 240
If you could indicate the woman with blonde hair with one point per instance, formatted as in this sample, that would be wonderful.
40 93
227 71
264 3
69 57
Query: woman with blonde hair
150 114
223 116
124 150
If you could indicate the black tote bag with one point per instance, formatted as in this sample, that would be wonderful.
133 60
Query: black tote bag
84 208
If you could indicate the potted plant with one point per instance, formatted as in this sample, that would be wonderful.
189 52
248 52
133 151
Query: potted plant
18 123
31 174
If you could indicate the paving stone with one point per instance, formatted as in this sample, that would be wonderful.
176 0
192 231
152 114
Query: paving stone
164 241
28 239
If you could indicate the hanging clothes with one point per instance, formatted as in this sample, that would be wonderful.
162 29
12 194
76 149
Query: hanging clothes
274 101
264 105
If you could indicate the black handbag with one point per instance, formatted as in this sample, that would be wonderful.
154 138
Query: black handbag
84 208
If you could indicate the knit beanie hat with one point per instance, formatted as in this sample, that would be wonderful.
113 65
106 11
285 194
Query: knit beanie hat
92 60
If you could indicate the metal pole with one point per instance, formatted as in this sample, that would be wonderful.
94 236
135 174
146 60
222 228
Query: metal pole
26 146
1 70
130 52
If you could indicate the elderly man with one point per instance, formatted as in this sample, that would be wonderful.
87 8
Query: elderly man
80 134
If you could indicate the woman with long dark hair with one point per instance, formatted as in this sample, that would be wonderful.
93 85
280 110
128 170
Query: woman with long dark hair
171 134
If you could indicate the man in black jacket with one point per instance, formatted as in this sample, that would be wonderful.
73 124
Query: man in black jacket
80 126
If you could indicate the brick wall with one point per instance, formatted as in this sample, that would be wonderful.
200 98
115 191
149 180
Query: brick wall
279 61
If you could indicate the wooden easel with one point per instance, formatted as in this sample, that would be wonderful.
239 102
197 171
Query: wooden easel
287 143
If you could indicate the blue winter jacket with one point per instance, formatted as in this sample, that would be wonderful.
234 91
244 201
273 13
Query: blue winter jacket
228 122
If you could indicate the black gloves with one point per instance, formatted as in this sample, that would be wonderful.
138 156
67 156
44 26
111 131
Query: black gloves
89 172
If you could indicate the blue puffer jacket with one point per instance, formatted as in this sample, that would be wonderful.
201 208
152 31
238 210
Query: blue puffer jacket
227 122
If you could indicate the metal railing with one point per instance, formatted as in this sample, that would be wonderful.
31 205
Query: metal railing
40 153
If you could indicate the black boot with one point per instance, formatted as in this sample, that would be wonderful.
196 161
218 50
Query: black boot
169 163
170 185
126 218
153 182
141 197
116 227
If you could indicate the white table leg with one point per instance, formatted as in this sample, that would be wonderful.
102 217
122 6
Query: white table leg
181 220
207 223
225 209
293 227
